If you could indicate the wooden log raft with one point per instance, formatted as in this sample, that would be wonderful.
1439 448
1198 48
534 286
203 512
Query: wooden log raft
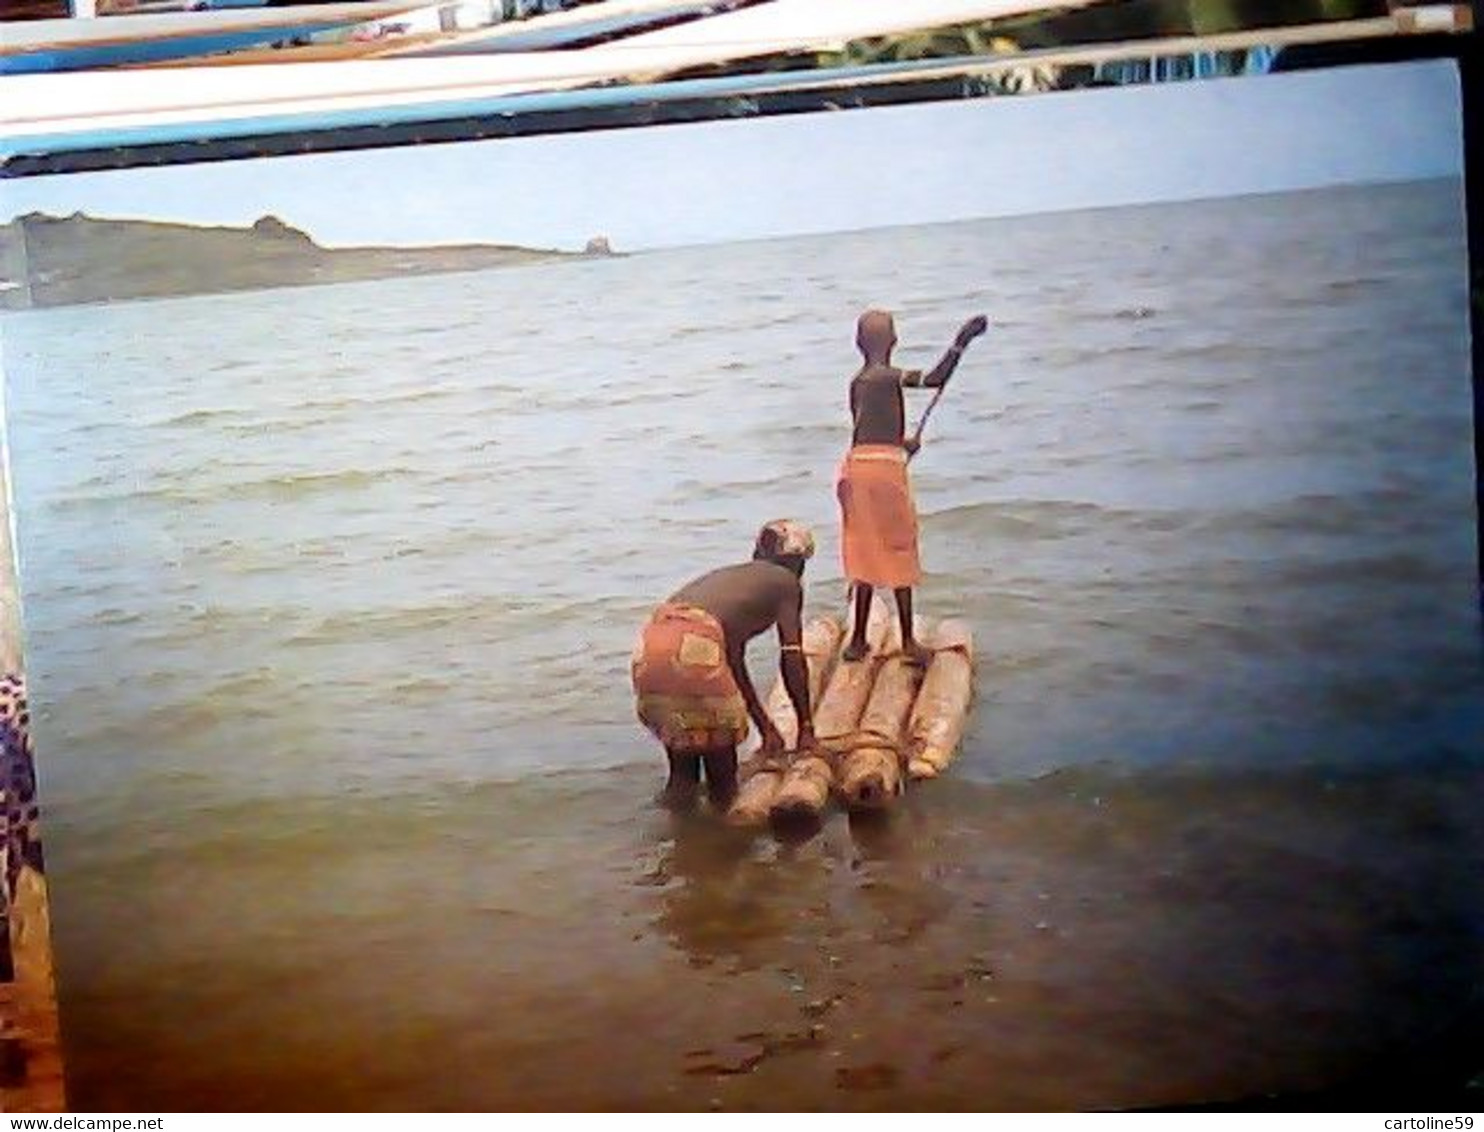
809 779
871 766
761 775
942 710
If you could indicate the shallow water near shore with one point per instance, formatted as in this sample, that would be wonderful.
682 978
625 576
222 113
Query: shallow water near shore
330 594
1080 941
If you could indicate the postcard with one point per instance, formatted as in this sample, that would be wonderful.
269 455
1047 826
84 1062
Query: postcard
424 547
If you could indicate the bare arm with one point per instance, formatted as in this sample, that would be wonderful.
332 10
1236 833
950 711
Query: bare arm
737 659
793 665
938 376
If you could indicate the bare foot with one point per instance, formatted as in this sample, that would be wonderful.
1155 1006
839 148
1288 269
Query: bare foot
854 651
918 655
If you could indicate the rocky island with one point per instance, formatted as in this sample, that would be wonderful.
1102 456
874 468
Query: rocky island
48 261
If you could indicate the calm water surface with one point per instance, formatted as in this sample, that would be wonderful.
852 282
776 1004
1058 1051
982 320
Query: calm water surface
330 595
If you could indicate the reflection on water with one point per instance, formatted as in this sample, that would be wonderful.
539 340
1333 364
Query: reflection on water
1086 939
330 596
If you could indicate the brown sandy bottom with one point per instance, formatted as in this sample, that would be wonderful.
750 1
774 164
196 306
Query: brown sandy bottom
1080 941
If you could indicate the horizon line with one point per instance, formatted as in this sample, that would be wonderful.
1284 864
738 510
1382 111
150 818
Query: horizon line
1012 214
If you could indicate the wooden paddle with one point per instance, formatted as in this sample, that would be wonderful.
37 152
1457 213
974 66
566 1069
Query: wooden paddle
926 413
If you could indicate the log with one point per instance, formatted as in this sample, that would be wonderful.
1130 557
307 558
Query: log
942 708
806 786
760 780
761 775
804 792
870 771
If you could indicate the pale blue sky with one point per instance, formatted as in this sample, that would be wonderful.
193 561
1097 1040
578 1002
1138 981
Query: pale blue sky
722 181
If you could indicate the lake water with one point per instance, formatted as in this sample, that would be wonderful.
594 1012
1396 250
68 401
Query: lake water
330 594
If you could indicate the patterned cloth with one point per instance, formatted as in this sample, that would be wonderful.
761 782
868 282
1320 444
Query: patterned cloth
687 696
20 844
878 517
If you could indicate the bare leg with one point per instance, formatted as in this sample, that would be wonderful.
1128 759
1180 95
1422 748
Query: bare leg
721 778
685 782
917 653
858 648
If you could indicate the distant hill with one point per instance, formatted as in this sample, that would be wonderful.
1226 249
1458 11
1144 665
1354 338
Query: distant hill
47 261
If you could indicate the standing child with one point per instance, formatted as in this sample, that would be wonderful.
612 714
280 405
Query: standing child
877 512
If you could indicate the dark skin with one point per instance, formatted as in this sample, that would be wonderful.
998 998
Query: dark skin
747 599
878 410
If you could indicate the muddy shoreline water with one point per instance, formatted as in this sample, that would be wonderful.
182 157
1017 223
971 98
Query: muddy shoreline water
1080 941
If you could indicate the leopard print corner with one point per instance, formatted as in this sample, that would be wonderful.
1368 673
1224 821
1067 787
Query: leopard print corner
21 845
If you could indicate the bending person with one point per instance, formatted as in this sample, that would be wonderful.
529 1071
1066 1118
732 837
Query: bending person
690 666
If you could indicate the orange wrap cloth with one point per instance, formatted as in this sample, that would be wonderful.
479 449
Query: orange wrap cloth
878 517
687 695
